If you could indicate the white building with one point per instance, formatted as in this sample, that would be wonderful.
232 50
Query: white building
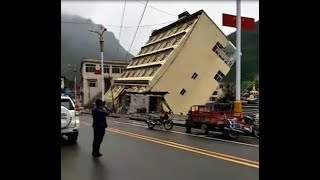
91 81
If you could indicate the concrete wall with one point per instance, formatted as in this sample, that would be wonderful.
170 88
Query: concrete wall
138 101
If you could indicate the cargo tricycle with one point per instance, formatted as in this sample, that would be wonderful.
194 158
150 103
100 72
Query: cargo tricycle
215 117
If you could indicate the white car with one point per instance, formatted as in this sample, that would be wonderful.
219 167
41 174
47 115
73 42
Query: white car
69 119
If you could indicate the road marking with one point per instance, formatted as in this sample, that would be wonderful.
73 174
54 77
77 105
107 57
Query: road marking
193 135
134 122
229 158
225 157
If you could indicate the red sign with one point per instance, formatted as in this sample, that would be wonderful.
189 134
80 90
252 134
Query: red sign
97 71
231 21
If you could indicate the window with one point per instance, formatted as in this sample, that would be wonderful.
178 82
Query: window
92 83
90 67
123 74
173 31
135 62
159 57
131 63
115 70
152 59
168 33
194 76
131 73
183 91
105 69
136 72
218 45
143 73
157 46
179 29
144 50
219 76
152 39
160 36
221 86
213 98
146 59
167 44
152 71
127 74
67 104
141 61
139 74
163 44
170 42
188 25
166 54
176 41
215 93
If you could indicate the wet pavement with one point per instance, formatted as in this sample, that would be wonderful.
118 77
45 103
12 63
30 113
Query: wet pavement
133 152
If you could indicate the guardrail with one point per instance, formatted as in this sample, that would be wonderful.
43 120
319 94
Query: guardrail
250 108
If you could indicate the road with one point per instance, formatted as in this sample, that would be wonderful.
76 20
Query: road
131 151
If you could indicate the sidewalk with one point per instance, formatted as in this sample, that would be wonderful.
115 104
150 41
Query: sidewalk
178 120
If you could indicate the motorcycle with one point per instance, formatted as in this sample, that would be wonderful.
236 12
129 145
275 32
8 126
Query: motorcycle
250 125
152 121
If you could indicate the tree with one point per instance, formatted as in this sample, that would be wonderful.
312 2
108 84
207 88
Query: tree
228 93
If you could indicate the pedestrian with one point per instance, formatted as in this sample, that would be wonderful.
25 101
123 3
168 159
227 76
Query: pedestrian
99 125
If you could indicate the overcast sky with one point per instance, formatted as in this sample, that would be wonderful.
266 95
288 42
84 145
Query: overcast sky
157 15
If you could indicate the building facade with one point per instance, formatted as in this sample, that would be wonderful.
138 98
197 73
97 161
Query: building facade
185 60
218 93
91 80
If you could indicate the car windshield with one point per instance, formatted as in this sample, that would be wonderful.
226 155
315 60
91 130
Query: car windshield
67 104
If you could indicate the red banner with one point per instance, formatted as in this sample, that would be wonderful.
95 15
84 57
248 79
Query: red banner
97 71
231 21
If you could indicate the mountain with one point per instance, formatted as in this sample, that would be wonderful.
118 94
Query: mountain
250 55
78 43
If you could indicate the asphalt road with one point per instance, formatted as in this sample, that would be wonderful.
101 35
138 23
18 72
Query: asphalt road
132 152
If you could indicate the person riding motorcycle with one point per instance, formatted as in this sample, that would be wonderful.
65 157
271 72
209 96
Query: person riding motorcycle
165 116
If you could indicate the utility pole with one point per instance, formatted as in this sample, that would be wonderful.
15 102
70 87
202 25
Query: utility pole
238 104
111 86
100 33
75 80
239 23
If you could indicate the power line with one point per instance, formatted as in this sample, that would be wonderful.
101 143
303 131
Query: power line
123 11
107 25
135 34
159 10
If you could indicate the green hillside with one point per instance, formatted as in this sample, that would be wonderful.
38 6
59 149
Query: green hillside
77 43
250 55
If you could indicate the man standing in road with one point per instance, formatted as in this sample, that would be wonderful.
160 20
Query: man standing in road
99 115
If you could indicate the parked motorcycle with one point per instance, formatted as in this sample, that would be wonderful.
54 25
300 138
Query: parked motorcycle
152 121
250 125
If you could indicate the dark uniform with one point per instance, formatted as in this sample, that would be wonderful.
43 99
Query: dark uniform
99 115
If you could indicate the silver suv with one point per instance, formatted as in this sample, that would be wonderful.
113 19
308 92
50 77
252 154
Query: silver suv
69 119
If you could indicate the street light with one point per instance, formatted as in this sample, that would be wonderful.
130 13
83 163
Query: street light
75 80
100 33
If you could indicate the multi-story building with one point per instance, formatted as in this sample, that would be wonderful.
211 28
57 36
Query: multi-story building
185 60
218 93
91 80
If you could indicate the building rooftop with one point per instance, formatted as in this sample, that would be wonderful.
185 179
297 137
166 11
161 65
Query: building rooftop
115 62
184 17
